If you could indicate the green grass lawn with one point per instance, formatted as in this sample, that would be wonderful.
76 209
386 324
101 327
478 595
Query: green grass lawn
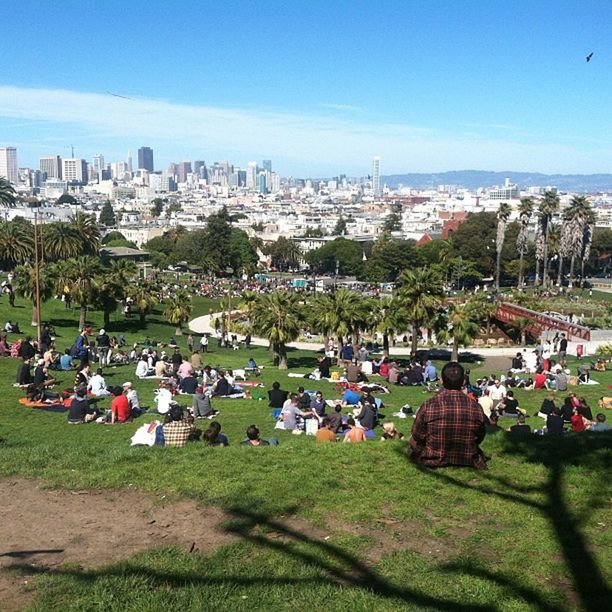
531 533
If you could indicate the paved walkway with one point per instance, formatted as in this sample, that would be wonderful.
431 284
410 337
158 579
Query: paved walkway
202 325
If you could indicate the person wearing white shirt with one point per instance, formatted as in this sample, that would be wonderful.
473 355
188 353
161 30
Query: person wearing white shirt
142 368
97 385
163 398
486 403
132 396
497 392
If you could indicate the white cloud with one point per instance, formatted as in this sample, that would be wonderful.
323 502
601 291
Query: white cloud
307 143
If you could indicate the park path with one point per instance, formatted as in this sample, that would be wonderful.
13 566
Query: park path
204 325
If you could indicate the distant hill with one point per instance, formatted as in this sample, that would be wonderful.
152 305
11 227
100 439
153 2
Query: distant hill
471 179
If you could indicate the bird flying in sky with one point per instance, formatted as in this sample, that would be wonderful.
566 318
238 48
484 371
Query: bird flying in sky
589 56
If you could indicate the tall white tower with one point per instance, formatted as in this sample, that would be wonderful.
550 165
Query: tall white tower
251 175
8 164
376 176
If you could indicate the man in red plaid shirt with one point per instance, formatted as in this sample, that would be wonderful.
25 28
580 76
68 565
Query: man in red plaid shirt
449 427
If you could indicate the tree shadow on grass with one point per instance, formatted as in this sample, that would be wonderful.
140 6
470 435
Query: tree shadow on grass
591 451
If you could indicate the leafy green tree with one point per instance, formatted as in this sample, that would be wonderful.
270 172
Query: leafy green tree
285 254
66 198
107 215
420 295
389 257
389 318
178 310
393 223
25 285
340 227
502 219
314 232
279 317
172 208
122 243
157 207
7 193
346 254
114 235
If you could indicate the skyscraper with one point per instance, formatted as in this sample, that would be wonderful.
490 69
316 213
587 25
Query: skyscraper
74 170
376 176
51 167
267 165
145 159
251 175
8 164
184 168
97 164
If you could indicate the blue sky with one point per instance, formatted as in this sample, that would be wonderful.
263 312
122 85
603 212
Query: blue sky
319 87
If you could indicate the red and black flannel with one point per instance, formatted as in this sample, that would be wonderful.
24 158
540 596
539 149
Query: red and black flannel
447 431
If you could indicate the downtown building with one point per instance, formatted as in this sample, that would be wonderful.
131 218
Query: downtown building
8 164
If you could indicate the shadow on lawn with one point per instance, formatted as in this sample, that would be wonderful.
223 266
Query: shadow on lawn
590 451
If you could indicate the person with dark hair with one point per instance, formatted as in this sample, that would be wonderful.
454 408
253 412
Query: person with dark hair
213 436
27 350
547 407
318 404
600 423
277 396
325 434
520 428
335 419
66 361
324 366
80 411
176 428
509 406
24 374
304 399
449 427
120 407
253 438
584 409
354 434
554 423
202 405
491 425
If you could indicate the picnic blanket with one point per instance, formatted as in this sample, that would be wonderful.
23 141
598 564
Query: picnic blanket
57 406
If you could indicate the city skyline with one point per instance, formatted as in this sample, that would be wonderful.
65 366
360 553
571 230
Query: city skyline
502 87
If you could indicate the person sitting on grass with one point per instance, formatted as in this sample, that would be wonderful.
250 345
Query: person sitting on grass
163 397
335 419
66 361
520 428
318 404
584 409
547 407
188 384
176 428
83 376
509 407
120 407
277 396
291 412
325 433
80 410
213 436
132 397
367 416
354 434
600 424
97 385
554 423
24 375
390 433
449 427
579 423
142 367
201 405
253 438
41 375
491 426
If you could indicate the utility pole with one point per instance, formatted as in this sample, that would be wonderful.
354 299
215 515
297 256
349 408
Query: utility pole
37 277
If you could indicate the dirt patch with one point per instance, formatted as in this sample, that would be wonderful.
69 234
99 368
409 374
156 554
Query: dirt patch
46 528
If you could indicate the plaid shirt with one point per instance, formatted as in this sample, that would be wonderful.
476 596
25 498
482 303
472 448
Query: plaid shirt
447 431
177 433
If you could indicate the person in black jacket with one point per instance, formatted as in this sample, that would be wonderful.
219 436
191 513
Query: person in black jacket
277 396
24 376
554 423
367 416
80 411
27 350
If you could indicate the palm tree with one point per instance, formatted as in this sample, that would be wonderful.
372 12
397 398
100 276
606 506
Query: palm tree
579 216
84 278
16 242
389 318
123 270
587 239
548 207
525 210
87 229
7 193
61 241
502 218
279 318
523 324
178 311
420 295
565 246
25 286
463 326
106 297
144 296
